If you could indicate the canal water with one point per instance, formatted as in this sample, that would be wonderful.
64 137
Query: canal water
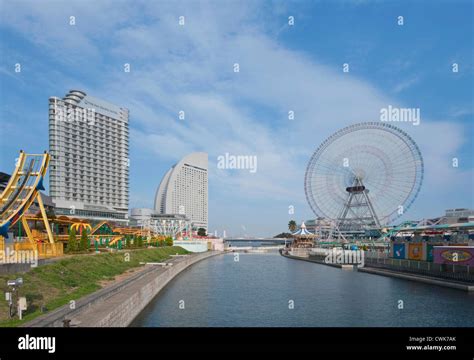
270 290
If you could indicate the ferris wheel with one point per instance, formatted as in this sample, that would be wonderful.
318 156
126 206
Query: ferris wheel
364 176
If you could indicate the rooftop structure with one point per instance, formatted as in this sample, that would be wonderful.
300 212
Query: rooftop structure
174 225
303 238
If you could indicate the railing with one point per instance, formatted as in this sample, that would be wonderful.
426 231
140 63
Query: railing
318 252
376 255
445 271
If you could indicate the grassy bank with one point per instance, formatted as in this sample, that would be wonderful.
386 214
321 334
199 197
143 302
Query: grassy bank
53 285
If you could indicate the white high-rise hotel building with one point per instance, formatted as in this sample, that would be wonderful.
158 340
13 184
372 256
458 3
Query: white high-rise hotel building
89 170
184 190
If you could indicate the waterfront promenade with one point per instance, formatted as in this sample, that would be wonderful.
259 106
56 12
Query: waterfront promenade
401 269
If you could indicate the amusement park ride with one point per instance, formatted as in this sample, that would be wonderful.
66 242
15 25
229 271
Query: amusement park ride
23 190
362 178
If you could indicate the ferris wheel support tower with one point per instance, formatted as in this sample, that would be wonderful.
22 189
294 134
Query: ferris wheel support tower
358 209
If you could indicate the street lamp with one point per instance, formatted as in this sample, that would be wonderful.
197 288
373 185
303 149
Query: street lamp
15 283
12 295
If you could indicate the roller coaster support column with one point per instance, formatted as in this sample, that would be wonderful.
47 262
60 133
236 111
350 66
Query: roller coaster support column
27 230
45 220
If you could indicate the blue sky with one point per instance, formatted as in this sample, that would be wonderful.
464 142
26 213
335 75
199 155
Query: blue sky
282 68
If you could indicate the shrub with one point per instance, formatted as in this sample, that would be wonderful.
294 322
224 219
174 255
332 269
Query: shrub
72 244
85 244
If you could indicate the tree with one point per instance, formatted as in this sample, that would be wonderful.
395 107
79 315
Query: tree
292 225
284 235
84 245
139 241
169 241
201 232
72 241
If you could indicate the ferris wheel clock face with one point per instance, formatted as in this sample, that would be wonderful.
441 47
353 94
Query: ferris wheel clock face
364 171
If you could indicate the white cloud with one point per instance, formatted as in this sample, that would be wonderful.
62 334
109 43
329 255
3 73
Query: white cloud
190 68
405 84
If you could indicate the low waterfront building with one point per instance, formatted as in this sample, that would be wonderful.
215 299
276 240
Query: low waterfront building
177 226
202 244
417 243
174 225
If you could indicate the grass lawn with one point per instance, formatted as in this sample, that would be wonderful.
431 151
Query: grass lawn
71 278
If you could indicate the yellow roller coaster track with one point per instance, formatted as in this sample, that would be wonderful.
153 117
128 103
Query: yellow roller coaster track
22 190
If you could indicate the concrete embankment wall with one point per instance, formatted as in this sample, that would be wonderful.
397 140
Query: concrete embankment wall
13 268
135 301
313 259
118 305
418 278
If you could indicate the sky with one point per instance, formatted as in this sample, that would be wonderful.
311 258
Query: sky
282 68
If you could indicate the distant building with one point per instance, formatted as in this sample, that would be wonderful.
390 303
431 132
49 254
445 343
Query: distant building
89 169
459 215
184 190
4 178
322 226
47 203
451 216
164 224
319 226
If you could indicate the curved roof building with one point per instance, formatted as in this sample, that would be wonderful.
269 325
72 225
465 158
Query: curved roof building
184 190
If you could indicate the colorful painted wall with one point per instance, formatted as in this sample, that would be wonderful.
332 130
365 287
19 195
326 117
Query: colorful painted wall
421 251
459 255
398 251
416 251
